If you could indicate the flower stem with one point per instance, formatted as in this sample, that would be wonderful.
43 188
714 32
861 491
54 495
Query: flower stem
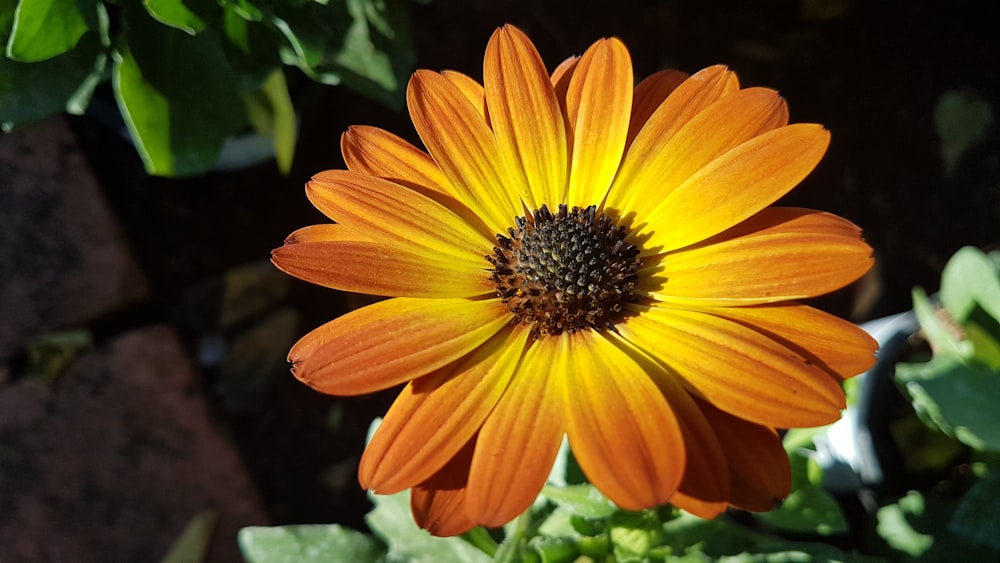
480 538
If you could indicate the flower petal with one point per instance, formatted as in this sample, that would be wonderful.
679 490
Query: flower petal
621 428
464 147
526 118
735 186
562 75
378 269
737 369
438 505
704 490
397 216
434 416
393 341
515 452
598 103
841 347
377 152
472 90
780 254
648 96
325 232
692 96
757 460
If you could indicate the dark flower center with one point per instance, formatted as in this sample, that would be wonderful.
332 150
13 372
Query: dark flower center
565 272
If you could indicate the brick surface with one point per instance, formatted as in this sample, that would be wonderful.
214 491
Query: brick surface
63 260
111 462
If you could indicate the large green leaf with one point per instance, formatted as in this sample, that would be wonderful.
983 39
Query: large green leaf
958 398
307 543
176 14
33 91
977 518
808 509
391 520
177 94
364 44
918 526
43 29
970 278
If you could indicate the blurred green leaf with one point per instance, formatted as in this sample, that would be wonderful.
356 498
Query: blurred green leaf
944 339
977 518
962 118
175 14
970 278
917 526
43 29
808 509
634 534
895 528
192 545
7 9
32 91
959 399
177 94
305 543
364 44
392 521
581 500
50 355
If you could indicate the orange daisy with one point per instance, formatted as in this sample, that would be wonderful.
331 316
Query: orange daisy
578 256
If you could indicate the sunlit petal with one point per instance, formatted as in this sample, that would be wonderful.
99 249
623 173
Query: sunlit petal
392 342
737 369
436 415
621 428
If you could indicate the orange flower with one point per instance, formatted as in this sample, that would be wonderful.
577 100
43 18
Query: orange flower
637 299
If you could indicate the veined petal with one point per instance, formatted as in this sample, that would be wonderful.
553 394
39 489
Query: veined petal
325 232
598 104
692 96
438 505
704 490
515 452
526 118
841 347
562 75
464 147
472 90
393 341
397 216
377 152
719 128
735 186
778 255
434 416
737 369
378 269
757 460
648 96
621 428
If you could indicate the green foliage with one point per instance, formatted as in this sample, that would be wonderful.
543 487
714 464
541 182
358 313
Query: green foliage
305 543
958 390
188 74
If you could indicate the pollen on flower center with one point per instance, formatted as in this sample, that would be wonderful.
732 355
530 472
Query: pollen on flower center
565 271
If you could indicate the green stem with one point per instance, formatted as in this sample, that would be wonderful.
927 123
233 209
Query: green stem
481 539
507 553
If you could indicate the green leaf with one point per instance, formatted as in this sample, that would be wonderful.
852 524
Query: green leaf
809 509
918 525
581 500
977 518
894 526
7 9
364 44
392 521
33 91
633 534
192 545
177 94
969 278
43 29
319 542
943 339
958 398
175 14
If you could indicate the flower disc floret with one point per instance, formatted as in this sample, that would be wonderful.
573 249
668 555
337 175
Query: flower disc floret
566 271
